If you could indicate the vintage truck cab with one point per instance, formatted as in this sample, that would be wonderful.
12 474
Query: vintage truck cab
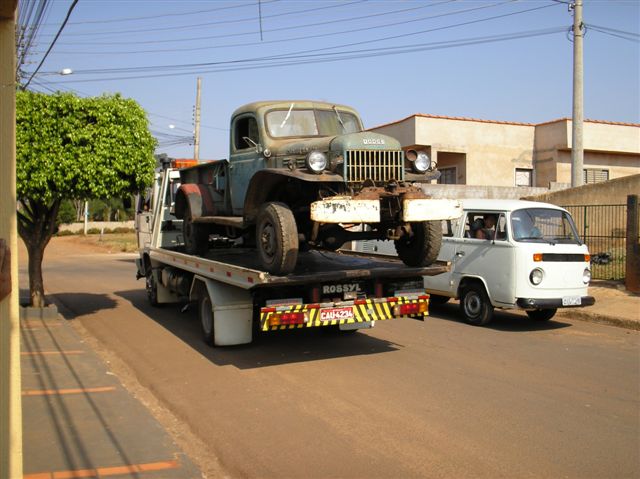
305 174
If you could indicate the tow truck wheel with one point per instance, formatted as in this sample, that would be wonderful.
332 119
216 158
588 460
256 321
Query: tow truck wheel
196 236
475 304
205 314
542 314
277 238
422 246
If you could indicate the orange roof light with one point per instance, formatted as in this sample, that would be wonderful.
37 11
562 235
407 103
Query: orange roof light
183 163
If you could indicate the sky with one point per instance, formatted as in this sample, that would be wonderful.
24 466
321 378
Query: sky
503 60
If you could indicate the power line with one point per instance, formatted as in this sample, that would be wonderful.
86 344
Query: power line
66 19
221 22
624 35
298 54
337 56
180 14
272 30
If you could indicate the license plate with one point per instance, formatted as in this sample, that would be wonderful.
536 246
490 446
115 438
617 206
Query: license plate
571 301
335 314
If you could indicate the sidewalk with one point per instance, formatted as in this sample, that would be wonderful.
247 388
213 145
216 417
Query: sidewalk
78 419
614 306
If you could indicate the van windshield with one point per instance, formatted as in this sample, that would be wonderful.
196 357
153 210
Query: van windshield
543 225
307 122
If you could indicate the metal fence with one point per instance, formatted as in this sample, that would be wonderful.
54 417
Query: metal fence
604 230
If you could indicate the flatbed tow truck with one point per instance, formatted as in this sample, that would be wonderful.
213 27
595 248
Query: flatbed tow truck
343 290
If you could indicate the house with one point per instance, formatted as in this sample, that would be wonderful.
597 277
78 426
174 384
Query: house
497 153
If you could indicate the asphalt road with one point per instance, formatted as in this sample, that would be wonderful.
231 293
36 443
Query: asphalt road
406 399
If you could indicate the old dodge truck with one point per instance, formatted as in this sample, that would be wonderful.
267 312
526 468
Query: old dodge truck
304 175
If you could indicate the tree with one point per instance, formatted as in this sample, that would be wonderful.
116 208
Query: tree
74 148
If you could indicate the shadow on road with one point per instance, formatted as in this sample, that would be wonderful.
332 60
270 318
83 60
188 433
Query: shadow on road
267 349
82 304
502 319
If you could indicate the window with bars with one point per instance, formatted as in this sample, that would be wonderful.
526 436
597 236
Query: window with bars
594 175
447 175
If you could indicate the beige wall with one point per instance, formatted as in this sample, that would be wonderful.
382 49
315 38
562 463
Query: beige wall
10 381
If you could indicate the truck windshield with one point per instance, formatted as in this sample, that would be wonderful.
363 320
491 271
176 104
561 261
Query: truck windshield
542 225
296 122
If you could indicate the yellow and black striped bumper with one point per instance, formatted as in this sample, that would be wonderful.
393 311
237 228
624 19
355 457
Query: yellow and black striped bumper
362 312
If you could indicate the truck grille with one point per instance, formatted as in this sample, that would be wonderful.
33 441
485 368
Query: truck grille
379 166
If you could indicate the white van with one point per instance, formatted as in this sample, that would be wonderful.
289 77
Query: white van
532 259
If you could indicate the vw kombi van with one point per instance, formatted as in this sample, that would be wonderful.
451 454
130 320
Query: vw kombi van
510 254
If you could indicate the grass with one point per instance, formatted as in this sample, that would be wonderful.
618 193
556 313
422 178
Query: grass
115 242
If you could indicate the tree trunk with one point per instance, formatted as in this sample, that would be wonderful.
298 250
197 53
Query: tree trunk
36 285
36 226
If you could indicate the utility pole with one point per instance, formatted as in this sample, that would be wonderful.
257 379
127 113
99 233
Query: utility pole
196 142
577 150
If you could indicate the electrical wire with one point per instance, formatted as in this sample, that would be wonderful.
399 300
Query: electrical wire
272 30
66 19
624 35
299 54
220 22
172 15
336 56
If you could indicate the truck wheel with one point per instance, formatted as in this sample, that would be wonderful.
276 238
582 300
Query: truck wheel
542 314
422 247
475 304
152 289
205 314
196 236
277 238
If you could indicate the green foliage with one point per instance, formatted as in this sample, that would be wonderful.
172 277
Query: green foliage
76 148
67 212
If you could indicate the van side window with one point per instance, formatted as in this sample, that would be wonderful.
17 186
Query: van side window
473 223
485 225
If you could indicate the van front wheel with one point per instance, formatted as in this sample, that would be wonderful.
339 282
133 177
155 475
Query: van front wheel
475 305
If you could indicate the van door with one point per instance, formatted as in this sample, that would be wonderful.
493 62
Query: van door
491 259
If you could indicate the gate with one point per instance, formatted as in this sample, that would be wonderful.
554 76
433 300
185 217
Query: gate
603 229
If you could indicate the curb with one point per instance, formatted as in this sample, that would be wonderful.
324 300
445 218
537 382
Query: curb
625 323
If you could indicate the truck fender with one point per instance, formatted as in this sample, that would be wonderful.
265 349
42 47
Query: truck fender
268 184
195 198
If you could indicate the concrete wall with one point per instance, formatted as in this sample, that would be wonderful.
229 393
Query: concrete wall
10 380
613 192
77 227
459 192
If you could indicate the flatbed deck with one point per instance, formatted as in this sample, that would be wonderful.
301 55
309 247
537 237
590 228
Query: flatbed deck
239 266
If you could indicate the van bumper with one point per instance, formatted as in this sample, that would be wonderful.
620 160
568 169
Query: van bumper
552 303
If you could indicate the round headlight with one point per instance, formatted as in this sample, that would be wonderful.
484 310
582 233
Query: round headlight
422 162
536 276
586 276
316 161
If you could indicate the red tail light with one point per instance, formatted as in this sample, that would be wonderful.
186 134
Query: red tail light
410 308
